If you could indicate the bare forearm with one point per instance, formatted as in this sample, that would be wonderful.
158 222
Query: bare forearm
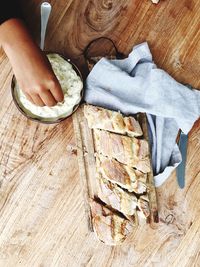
12 33
17 43
31 67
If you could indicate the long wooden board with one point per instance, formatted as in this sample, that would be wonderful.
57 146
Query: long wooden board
87 166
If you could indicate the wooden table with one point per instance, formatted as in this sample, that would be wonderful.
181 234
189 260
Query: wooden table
42 219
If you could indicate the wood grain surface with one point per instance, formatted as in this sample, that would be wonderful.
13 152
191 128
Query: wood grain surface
42 218
172 29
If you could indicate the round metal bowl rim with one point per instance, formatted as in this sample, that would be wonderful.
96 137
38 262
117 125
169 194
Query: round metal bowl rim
60 119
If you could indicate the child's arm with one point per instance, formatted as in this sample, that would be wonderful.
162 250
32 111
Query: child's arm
31 67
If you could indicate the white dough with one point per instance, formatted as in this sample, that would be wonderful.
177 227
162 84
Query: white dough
71 85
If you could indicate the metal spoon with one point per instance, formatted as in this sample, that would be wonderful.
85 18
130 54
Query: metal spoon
45 11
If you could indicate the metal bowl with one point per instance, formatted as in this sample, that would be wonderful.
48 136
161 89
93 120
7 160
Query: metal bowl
13 86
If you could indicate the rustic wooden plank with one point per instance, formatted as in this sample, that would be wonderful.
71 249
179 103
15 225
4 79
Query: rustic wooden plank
171 29
152 190
42 216
42 213
83 163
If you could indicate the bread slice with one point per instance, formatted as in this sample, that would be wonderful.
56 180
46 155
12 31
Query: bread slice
116 197
100 118
121 174
109 226
127 150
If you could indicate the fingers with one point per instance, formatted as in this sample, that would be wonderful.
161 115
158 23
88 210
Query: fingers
47 94
37 100
48 98
29 98
53 95
56 90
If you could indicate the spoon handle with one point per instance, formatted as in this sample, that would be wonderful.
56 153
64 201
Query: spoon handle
45 11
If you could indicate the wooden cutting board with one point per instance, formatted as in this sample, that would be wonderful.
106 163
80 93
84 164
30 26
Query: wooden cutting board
87 166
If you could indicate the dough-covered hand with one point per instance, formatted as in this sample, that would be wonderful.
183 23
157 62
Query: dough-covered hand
31 67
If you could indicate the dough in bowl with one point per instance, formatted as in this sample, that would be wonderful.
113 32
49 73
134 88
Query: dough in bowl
71 84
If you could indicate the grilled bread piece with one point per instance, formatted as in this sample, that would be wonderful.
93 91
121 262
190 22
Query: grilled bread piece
109 227
121 174
116 197
127 150
100 118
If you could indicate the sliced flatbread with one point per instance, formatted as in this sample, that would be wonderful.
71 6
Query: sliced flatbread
127 150
100 118
121 174
116 197
109 227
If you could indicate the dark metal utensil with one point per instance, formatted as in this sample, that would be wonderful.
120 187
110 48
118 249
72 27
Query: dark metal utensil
180 170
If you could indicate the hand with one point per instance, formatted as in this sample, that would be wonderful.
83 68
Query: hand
31 67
